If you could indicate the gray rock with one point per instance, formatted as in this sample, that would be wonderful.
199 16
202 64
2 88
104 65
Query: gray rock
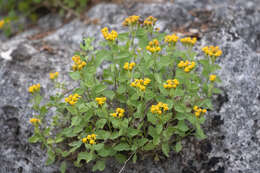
233 133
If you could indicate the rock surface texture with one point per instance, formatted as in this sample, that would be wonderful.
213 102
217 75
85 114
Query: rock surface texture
233 128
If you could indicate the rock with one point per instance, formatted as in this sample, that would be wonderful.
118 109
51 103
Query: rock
23 52
232 128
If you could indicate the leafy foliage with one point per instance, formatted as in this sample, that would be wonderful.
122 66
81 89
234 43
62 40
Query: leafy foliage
30 9
144 109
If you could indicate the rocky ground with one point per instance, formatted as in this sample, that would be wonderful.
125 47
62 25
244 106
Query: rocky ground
233 128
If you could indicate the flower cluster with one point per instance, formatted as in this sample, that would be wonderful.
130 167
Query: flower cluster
101 100
159 108
54 75
141 83
2 22
212 51
129 66
153 46
189 41
109 36
35 120
187 65
72 99
171 84
78 63
131 20
119 113
198 111
150 21
171 39
34 88
212 77
91 139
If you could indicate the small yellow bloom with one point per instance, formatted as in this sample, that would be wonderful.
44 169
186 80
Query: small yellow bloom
54 75
129 66
171 84
34 88
159 108
91 141
189 41
153 46
212 78
141 83
101 100
35 120
2 22
109 36
131 20
72 99
84 140
150 21
78 63
171 39
119 113
212 51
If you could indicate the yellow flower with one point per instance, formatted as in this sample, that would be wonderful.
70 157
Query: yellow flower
171 39
35 120
171 84
212 77
2 22
212 51
101 100
150 21
189 41
34 88
78 63
129 66
141 83
198 111
54 75
187 65
159 108
109 36
119 113
131 20
153 46
91 141
72 99
84 140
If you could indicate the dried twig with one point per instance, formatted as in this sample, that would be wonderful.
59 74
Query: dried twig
122 169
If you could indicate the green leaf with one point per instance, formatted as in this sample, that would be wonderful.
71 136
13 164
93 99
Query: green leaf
88 156
132 132
75 121
120 158
98 146
152 118
121 89
100 165
106 151
179 108
74 75
178 147
63 167
122 147
72 109
109 94
149 146
100 88
101 123
165 149
51 157
33 139
134 158
199 132
182 126
102 134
